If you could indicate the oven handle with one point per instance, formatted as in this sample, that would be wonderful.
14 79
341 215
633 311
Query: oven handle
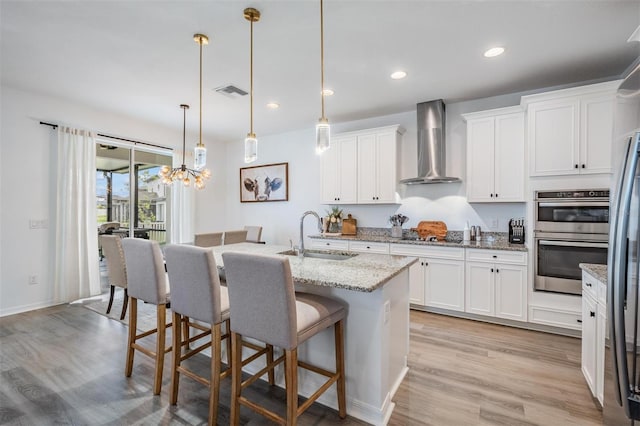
572 244
575 204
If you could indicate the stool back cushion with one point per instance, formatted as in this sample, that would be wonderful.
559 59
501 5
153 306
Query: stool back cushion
211 239
254 233
146 277
232 237
112 251
262 298
195 286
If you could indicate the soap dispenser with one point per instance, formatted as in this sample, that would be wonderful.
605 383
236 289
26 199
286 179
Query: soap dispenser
466 236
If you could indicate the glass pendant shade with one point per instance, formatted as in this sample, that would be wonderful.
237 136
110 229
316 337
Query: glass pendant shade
199 157
323 136
250 148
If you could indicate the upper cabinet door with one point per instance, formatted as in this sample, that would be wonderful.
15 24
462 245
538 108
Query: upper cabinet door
367 168
330 173
554 137
480 160
348 171
596 131
509 158
386 167
338 172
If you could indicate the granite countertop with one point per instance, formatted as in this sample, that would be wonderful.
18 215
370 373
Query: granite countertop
364 272
490 244
598 271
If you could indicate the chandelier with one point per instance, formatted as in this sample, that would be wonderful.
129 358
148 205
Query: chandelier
183 173
200 152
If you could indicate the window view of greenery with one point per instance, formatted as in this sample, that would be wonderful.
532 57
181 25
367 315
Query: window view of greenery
113 193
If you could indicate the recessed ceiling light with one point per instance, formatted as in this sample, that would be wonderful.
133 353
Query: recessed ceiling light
398 75
493 52
327 92
273 105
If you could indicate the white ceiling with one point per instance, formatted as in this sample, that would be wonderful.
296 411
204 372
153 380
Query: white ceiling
138 57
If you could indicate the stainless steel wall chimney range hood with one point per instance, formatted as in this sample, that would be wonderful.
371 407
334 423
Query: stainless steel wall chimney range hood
432 158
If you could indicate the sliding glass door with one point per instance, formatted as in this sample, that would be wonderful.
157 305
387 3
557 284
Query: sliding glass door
131 200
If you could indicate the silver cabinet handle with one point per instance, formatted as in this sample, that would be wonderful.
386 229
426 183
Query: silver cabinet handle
572 243
575 204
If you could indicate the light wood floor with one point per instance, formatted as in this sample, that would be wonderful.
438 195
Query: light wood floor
65 365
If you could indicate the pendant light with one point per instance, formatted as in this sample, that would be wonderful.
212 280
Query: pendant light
323 131
200 152
183 173
251 142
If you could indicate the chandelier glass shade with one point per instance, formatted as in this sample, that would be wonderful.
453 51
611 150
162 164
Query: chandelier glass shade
323 130
251 141
184 174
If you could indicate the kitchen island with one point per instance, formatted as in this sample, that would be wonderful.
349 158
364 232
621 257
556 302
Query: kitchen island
376 290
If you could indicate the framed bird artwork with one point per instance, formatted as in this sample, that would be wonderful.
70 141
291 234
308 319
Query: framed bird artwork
269 182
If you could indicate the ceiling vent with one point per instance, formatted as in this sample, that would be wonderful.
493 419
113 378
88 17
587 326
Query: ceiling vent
231 91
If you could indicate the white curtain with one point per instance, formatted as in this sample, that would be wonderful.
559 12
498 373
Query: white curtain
182 208
76 246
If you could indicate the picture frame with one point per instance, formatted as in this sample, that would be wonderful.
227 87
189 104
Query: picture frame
268 182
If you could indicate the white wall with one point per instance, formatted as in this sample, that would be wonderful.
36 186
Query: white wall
26 185
280 220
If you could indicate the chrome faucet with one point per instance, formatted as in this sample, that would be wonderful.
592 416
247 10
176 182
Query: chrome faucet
305 214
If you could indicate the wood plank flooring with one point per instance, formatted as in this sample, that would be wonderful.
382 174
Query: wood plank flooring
65 365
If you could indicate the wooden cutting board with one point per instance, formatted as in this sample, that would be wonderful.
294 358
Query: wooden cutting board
349 226
428 228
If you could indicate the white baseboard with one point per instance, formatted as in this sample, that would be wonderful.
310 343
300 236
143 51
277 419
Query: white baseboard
30 307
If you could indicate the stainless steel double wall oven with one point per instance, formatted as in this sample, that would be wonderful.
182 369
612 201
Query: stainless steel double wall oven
571 227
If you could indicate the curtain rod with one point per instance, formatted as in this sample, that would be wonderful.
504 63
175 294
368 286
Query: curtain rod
55 126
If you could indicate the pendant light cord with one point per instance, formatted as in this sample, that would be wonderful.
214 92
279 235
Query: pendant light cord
184 131
322 54
251 76
200 136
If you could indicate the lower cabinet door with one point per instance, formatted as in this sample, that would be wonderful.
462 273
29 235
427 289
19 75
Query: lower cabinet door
601 329
589 320
511 292
444 283
480 289
416 283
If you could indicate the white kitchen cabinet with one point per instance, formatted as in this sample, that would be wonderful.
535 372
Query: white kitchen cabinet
437 280
496 284
377 166
338 171
325 244
570 130
589 325
368 247
495 155
594 327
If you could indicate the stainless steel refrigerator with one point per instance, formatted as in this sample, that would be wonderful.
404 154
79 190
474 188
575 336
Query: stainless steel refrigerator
622 354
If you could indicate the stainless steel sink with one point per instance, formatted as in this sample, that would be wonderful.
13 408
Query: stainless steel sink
321 254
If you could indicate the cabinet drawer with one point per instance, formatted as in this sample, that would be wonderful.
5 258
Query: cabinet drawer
589 285
368 247
434 252
497 256
555 317
329 244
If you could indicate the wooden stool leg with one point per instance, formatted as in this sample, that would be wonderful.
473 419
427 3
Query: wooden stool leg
291 379
236 377
133 324
175 359
339 344
124 305
185 334
214 390
161 321
111 291
227 327
270 374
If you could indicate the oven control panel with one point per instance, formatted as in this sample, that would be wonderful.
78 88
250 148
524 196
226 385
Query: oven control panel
583 194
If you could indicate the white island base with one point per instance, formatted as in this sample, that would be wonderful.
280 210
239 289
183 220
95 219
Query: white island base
376 349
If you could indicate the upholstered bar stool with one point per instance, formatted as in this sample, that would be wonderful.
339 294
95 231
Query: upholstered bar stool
232 237
264 306
254 234
211 239
146 281
113 253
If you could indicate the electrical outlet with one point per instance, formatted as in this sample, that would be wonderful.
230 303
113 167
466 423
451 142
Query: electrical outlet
387 311
38 224
33 279
494 223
